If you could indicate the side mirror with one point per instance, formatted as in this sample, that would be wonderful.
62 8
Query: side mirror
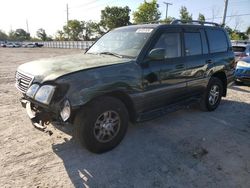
157 54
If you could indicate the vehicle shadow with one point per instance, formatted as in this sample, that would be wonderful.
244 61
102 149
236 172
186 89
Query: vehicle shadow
241 88
176 150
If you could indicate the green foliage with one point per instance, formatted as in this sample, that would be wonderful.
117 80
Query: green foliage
184 14
235 35
167 20
73 30
201 17
19 35
3 36
248 30
112 17
41 34
60 36
91 30
147 12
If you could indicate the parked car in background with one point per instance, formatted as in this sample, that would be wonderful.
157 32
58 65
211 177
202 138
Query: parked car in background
3 44
241 50
242 71
32 45
13 45
29 45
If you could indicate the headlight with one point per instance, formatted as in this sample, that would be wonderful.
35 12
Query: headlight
32 90
243 64
65 111
45 94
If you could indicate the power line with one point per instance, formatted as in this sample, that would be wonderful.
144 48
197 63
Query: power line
84 5
228 16
97 6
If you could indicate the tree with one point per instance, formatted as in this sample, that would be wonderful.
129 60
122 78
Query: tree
60 35
184 14
248 30
147 12
3 36
91 30
73 30
19 35
112 17
168 20
41 34
201 17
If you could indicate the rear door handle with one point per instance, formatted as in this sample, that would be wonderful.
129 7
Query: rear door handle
209 61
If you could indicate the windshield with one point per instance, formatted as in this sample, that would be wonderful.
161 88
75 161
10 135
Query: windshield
126 42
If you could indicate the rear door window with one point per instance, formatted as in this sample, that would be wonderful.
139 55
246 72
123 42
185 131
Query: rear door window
217 40
193 44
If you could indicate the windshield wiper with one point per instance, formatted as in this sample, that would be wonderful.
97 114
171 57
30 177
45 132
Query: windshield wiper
112 53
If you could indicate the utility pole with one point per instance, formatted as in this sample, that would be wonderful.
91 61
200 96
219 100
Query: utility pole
225 13
27 26
67 23
67 11
167 8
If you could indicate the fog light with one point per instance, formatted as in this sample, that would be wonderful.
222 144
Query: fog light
65 111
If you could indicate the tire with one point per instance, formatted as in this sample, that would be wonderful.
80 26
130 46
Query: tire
212 96
102 124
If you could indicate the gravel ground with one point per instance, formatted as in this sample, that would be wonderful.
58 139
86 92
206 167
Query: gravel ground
188 148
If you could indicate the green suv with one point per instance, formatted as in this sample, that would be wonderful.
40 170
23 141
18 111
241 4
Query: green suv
132 73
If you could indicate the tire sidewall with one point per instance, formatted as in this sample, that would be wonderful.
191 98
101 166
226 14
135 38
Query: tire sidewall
213 81
94 110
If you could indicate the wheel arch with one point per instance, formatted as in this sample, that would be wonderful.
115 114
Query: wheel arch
222 76
126 100
123 97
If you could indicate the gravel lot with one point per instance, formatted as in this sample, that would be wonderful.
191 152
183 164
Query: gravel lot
188 148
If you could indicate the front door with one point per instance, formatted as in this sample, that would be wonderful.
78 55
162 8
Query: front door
163 80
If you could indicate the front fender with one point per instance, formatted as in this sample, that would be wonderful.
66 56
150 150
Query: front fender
89 84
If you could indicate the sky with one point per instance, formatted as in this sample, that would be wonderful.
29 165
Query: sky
51 14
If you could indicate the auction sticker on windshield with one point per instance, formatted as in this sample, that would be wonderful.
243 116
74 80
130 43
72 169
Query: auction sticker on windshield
144 30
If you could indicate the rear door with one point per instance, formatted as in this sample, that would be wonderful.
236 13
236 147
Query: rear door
196 58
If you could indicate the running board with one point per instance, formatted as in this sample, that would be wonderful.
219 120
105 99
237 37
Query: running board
152 114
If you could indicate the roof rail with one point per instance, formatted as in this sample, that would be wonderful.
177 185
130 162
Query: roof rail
193 22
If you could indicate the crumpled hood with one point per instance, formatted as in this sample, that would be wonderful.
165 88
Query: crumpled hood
52 68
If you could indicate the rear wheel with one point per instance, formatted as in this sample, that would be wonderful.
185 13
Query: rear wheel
102 124
212 96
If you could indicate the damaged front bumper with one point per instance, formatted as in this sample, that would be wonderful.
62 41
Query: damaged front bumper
39 118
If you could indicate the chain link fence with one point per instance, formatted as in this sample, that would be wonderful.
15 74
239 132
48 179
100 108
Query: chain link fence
67 44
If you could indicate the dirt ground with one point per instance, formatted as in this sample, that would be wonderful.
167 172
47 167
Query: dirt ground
188 148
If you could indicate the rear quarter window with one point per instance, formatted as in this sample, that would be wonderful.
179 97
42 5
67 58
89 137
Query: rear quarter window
239 49
217 40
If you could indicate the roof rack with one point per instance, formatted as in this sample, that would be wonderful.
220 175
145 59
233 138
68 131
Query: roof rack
194 22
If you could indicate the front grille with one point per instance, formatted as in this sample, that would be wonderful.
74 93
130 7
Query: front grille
23 81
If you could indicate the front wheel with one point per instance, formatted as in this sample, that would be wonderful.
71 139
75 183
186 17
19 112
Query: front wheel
102 124
212 96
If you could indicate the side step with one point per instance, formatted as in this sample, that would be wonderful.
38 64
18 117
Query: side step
152 114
